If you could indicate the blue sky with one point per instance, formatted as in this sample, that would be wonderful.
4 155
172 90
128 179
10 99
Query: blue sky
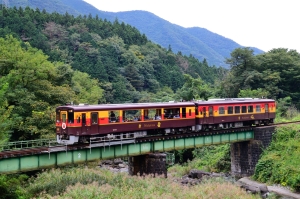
265 24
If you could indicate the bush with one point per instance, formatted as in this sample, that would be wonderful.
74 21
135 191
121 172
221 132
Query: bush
11 186
280 162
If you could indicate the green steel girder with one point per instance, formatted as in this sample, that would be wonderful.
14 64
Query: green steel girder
61 158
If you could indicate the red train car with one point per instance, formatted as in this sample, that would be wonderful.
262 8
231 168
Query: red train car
236 112
79 123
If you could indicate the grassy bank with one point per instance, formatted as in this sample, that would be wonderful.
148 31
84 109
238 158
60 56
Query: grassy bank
100 183
279 163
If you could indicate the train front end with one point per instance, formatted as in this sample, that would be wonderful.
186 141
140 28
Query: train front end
65 126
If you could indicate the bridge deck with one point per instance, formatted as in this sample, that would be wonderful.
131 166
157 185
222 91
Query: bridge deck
50 157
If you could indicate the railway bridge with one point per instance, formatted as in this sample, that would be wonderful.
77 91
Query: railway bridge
146 155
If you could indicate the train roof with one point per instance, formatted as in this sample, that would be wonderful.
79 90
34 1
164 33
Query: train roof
172 104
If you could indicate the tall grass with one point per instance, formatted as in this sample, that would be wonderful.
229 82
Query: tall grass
100 183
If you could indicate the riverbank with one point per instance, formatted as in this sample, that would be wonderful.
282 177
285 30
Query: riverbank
196 176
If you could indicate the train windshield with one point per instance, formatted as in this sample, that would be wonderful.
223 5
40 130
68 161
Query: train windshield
71 116
64 117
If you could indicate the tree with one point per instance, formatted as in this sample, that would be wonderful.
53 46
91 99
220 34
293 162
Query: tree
257 93
5 112
194 89
31 89
242 71
87 89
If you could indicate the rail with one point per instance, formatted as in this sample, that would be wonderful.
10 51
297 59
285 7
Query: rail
19 145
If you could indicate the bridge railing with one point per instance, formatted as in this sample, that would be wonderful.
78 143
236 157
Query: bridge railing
27 144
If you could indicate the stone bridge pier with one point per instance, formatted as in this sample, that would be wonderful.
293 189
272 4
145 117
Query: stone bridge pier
154 163
245 155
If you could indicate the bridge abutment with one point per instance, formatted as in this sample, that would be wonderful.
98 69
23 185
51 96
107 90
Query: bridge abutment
245 155
154 164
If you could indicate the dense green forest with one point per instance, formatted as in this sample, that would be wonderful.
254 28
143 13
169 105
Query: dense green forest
50 59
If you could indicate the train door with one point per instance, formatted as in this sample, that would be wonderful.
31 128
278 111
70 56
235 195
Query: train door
64 119
210 118
205 115
94 122
84 127
267 110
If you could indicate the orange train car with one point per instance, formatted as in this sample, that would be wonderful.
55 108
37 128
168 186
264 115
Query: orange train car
79 123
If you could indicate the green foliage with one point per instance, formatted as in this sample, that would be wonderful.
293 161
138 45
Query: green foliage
213 158
256 93
208 158
193 89
282 106
87 89
105 51
5 112
279 163
32 90
273 75
11 187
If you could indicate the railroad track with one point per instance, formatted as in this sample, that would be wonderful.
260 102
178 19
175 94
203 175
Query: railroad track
56 147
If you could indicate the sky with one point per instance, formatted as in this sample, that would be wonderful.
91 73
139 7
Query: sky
264 24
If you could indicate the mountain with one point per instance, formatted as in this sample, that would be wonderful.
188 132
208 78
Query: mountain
198 42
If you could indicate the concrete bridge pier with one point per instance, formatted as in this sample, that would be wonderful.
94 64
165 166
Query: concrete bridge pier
245 155
154 163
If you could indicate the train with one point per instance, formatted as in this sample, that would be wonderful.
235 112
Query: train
83 122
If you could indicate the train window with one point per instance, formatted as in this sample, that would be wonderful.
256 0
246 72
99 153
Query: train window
71 116
244 109
230 110
221 110
168 113
257 108
78 119
131 115
250 109
237 109
171 113
64 117
94 118
190 112
149 114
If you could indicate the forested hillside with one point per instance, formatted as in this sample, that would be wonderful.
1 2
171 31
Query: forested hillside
50 59
198 42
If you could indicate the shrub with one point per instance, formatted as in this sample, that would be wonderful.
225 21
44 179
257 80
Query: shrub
280 162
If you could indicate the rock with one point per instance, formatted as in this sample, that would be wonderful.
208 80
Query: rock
118 161
283 192
217 175
107 162
194 173
121 165
252 186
